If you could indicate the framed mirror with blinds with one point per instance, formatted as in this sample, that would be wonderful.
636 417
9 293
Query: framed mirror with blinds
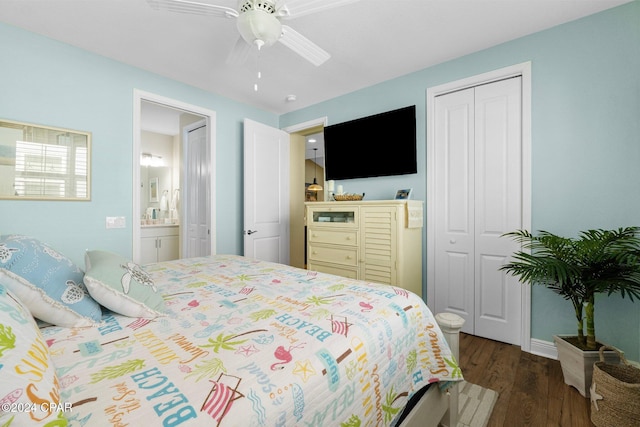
44 163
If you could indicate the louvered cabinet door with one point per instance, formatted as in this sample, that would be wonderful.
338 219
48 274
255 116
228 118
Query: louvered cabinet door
390 247
378 237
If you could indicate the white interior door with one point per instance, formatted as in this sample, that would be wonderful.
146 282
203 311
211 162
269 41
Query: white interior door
479 194
455 210
266 192
498 201
197 197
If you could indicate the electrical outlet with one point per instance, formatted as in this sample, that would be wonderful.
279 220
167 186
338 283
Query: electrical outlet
116 222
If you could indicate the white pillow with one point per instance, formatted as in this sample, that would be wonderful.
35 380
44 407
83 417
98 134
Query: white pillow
26 367
121 285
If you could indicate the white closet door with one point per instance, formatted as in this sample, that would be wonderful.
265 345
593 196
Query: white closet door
478 185
455 210
498 208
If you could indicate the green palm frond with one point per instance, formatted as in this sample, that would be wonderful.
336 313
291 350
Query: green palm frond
412 361
225 342
262 314
222 342
207 369
337 287
595 262
457 372
387 407
116 371
7 338
9 421
353 421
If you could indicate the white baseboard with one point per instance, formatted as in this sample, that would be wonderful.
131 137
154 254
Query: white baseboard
544 348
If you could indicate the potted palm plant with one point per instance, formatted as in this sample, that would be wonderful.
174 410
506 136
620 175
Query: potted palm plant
596 262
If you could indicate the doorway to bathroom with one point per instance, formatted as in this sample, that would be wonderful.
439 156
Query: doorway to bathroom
174 183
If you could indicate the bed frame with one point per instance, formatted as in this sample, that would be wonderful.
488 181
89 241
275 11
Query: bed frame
438 407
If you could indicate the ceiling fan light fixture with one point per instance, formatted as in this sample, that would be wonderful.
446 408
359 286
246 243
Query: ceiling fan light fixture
259 28
258 22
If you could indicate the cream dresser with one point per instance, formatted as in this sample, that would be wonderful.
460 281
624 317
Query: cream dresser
373 240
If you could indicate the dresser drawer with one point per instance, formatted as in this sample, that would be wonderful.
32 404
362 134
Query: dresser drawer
349 238
350 273
333 254
333 215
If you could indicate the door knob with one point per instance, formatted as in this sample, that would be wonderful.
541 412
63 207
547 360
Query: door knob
452 241
250 232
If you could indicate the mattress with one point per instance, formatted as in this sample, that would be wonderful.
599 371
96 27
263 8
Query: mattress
253 343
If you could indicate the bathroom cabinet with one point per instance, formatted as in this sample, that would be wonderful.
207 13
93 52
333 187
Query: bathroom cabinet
159 243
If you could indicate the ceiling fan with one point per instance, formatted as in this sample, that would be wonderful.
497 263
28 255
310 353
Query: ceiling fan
259 25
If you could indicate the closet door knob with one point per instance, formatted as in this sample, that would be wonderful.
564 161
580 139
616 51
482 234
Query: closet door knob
452 241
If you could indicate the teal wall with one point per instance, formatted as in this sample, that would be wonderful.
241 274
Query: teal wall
50 83
585 127
585 141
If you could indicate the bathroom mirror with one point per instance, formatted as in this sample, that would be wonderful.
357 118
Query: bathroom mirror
44 163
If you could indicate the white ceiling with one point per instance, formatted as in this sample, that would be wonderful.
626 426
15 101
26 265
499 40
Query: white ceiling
370 40
159 119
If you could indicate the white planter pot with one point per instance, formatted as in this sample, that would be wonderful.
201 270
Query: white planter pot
577 365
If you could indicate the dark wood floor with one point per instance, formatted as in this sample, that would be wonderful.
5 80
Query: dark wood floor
532 391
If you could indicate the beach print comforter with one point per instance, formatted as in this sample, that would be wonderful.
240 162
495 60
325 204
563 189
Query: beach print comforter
252 343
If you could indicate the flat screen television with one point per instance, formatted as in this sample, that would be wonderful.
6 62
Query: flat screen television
378 145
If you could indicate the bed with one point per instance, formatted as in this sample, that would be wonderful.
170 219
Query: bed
237 341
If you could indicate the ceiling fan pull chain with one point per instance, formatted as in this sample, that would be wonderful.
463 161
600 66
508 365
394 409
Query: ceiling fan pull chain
259 74
259 77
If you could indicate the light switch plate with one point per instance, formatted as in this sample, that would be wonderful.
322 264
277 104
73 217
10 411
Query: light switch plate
116 222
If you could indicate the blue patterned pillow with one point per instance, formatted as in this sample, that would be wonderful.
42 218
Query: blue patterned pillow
48 283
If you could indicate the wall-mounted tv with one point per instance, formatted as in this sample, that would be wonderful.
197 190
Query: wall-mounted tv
379 145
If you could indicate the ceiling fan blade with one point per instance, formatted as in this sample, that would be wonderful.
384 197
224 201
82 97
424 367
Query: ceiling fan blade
194 7
296 8
303 46
239 53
